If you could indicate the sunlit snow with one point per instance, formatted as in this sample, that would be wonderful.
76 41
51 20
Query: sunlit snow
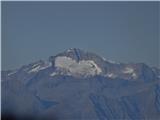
134 75
83 67
46 66
128 70
111 75
36 68
11 73
53 74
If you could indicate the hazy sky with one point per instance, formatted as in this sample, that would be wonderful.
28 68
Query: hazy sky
120 31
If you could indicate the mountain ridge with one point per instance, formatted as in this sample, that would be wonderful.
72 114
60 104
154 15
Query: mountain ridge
77 58
83 87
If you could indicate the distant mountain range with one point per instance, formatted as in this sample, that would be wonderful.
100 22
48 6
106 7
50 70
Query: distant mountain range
79 85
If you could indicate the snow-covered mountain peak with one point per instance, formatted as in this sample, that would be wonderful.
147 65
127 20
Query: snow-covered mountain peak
77 62
74 79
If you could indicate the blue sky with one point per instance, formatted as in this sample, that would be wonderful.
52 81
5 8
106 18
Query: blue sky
120 31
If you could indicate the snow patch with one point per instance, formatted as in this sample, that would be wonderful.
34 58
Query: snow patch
128 70
11 73
83 67
35 65
134 75
111 75
46 66
111 61
53 74
36 68
104 58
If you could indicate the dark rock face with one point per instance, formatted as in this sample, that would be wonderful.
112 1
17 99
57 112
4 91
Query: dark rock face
34 92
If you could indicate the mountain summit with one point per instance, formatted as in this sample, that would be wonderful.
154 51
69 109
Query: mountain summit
76 62
76 84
